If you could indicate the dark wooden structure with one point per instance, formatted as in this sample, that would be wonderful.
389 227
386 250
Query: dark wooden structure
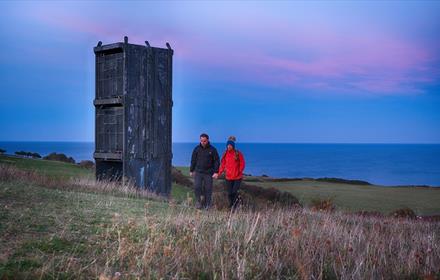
133 114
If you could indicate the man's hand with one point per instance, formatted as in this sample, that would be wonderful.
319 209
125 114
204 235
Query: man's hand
191 174
215 176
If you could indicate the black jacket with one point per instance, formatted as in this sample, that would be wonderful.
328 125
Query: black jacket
205 160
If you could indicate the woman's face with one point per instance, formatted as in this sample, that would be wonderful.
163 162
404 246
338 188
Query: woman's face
230 147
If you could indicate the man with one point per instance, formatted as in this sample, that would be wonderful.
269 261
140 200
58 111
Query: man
204 166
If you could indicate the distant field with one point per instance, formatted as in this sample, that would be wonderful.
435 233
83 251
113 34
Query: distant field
424 201
51 168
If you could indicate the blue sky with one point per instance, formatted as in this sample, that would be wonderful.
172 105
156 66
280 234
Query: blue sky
344 72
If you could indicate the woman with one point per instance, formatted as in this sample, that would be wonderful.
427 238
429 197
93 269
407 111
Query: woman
232 163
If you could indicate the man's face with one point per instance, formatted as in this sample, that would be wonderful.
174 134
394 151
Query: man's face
204 141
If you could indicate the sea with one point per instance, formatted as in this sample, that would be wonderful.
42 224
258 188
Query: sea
382 164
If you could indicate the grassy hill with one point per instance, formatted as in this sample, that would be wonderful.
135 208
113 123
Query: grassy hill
58 169
50 168
53 226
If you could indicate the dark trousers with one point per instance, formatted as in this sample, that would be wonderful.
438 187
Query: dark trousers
203 186
233 186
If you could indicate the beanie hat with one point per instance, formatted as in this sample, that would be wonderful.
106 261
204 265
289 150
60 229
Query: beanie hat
230 142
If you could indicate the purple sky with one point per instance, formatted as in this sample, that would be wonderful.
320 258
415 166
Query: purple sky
351 72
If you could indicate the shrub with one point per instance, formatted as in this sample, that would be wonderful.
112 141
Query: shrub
21 153
28 154
404 213
343 181
179 178
2 151
322 204
87 164
254 196
59 157
35 155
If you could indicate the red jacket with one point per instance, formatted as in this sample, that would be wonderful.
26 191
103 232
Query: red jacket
232 165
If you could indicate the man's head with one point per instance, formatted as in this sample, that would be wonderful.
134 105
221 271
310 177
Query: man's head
204 139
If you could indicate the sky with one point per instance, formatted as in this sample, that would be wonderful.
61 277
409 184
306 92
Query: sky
299 72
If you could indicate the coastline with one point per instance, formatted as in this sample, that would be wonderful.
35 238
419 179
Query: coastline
379 164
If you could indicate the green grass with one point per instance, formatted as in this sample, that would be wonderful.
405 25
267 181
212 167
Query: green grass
48 167
181 193
350 197
37 223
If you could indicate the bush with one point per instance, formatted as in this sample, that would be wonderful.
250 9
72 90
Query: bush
179 178
320 204
23 153
404 213
343 181
272 195
28 154
35 155
2 151
87 164
59 157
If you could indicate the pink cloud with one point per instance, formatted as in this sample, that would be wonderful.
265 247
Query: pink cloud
376 65
375 62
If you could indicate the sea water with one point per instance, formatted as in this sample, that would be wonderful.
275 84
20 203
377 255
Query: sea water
384 164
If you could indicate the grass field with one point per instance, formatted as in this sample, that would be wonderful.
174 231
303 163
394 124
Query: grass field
351 197
356 197
51 168
56 227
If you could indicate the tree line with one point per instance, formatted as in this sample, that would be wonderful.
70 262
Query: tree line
28 154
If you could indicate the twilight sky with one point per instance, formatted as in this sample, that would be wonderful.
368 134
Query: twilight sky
338 72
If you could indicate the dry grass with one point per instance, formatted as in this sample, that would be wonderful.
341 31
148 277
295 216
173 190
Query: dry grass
181 243
10 173
270 244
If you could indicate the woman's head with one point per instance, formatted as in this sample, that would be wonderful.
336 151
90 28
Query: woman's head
230 145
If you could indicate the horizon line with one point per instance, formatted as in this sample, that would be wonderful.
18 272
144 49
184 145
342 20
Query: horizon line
245 142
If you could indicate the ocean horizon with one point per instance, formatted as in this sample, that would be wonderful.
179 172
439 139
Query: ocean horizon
387 164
